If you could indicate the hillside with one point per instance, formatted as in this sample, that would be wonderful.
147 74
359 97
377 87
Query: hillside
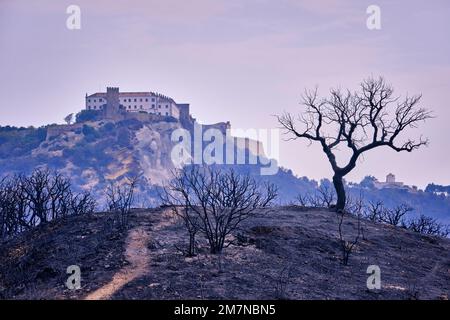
289 253
95 152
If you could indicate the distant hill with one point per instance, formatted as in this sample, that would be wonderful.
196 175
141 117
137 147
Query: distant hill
427 203
435 188
94 152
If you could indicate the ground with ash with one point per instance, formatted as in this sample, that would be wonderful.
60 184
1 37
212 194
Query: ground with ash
284 253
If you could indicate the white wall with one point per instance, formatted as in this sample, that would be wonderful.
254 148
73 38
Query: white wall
154 104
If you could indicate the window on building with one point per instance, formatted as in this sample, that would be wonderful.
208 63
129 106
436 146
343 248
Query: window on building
95 100
159 106
135 100
146 99
135 107
141 107
153 106
167 106
89 100
140 100
100 100
153 99
167 113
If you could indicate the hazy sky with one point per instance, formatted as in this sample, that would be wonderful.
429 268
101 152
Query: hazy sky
241 61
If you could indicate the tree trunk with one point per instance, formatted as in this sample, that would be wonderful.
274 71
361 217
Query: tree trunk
191 252
340 191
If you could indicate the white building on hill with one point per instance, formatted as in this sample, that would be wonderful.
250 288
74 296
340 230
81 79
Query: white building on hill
149 102
391 183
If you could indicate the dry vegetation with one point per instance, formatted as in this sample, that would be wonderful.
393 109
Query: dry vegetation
287 253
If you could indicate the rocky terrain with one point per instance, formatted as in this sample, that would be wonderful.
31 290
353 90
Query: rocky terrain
284 253
96 152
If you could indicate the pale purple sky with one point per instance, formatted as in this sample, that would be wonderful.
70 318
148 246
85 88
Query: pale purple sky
241 61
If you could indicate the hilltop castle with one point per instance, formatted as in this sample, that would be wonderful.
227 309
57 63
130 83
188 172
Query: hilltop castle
143 106
391 183
112 102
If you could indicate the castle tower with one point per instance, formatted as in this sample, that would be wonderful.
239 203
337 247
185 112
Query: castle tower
390 178
184 110
112 102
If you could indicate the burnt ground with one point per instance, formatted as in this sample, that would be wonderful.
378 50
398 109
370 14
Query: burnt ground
287 253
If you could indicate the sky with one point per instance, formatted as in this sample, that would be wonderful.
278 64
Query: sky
237 61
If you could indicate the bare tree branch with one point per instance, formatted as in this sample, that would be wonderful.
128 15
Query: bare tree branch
361 121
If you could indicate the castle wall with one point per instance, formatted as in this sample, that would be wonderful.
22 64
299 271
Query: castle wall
144 117
222 126
56 130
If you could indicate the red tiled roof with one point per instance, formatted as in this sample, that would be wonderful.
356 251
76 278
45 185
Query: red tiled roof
131 94
136 94
121 94
97 95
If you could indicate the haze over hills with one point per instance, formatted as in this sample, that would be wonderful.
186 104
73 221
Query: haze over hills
311 166
144 261
96 150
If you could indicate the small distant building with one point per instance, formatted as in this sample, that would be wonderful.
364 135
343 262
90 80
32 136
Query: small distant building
112 101
144 106
390 178
390 183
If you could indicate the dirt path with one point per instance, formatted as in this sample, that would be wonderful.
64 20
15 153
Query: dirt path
136 254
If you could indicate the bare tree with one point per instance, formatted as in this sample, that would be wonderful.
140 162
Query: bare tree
326 195
347 246
69 118
59 190
302 200
120 198
170 197
395 216
82 203
216 201
281 282
13 208
26 202
361 121
37 191
428 226
316 200
375 211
